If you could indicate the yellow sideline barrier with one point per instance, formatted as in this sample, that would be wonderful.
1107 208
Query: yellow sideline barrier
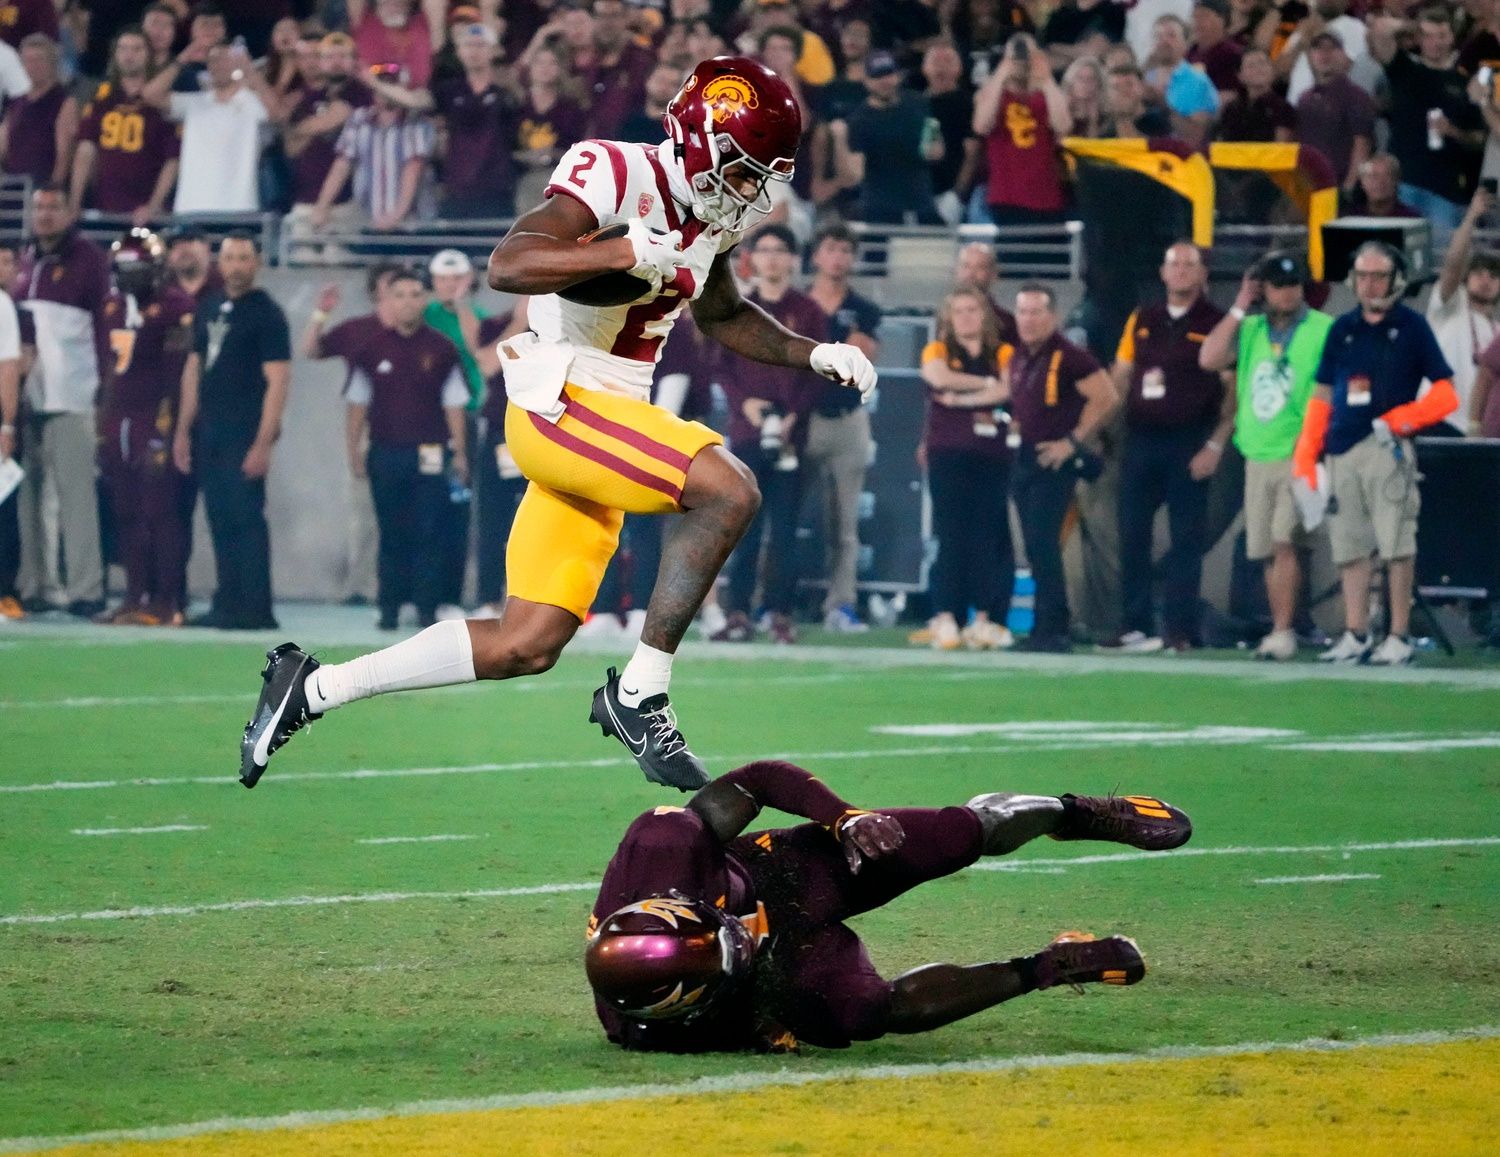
1408 1100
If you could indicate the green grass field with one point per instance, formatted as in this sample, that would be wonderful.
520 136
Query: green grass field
156 977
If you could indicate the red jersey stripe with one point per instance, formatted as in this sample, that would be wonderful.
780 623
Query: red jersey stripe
611 462
617 163
663 453
550 190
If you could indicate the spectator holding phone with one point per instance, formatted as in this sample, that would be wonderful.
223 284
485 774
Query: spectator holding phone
1021 114
1461 308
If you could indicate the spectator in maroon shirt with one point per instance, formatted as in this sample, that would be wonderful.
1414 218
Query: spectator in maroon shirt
1336 116
1377 194
1212 50
22 18
615 81
126 159
312 134
552 120
36 138
1257 112
480 116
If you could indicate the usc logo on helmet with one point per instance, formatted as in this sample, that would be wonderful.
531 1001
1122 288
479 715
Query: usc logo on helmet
726 95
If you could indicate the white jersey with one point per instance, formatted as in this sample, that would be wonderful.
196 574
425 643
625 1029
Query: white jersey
616 348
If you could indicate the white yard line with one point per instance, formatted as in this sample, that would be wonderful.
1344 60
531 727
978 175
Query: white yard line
1335 879
1397 746
414 839
745 1082
140 831
1051 866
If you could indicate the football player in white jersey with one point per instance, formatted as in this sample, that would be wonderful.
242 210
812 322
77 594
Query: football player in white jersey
580 424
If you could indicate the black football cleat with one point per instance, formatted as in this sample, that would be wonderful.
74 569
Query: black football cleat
1076 959
1142 821
281 712
650 732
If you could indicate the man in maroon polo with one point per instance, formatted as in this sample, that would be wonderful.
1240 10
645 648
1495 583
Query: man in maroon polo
1177 418
481 117
126 160
406 386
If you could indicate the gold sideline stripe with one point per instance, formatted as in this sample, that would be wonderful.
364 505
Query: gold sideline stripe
1413 1100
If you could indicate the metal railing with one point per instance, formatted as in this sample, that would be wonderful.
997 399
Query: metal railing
417 240
103 228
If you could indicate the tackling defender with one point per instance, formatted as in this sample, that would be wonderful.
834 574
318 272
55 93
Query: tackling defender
580 425
704 939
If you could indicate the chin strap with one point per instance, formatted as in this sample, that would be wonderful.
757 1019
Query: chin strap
1310 441
1428 410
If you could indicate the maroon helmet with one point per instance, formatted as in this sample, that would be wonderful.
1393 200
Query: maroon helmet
666 958
138 258
733 112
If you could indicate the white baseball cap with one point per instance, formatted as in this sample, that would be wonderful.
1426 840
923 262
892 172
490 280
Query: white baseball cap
446 261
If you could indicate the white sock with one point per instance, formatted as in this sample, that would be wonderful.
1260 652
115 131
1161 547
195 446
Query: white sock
439 656
647 674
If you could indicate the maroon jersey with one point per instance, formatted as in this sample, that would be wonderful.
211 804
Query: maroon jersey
31 127
134 142
310 166
795 391
407 380
149 347
481 133
561 127
954 429
1044 397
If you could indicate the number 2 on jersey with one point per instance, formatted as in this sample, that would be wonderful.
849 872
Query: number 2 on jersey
583 166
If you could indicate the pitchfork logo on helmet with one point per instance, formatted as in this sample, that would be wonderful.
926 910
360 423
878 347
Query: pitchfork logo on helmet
735 127
666 958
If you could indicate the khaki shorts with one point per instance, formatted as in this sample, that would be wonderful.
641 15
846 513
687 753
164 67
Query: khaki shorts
1377 500
1271 517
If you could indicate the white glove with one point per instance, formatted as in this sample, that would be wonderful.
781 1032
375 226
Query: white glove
1312 504
846 365
1385 437
657 255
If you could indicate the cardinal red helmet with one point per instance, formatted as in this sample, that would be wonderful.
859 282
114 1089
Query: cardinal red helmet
734 118
137 257
666 958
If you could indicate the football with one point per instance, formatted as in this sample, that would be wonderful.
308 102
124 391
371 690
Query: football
618 288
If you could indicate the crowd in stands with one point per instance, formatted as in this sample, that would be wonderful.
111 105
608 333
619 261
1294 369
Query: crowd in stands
376 115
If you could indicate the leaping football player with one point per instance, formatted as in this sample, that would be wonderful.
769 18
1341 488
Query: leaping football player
581 427
706 939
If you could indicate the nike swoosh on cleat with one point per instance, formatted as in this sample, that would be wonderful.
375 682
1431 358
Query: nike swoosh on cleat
622 732
261 756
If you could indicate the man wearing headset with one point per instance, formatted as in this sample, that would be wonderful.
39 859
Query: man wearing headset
1362 415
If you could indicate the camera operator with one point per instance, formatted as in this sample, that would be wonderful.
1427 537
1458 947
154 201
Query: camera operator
768 418
1277 353
1363 413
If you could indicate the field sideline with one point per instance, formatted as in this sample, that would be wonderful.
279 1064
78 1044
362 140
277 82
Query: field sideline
378 949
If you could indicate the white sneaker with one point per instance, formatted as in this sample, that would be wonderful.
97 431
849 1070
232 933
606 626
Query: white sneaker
843 621
635 623
487 611
1137 643
945 636
711 620
448 613
1394 651
885 612
985 635
1348 649
1278 646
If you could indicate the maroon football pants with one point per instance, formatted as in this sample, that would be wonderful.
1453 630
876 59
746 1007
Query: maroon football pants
135 456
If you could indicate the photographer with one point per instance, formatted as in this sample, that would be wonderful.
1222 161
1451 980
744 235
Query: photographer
1363 413
1461 309
1277 351
768 418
